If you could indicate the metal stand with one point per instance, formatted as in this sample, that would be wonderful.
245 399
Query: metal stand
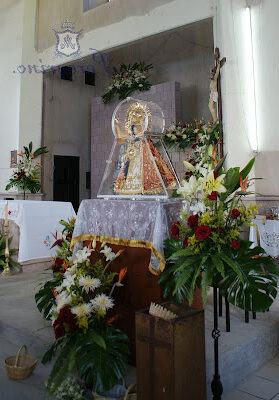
216 384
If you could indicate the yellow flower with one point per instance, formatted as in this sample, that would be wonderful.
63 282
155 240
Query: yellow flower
192 240
83 322
254 208
206 218
210 184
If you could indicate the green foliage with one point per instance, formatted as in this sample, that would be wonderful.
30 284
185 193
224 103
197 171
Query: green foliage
12 263
99 355
128 79
246 276
45 298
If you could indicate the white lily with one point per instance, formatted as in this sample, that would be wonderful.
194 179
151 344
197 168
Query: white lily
189 188
82 255
108 253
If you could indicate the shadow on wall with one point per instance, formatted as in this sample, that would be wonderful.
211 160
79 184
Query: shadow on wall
266 165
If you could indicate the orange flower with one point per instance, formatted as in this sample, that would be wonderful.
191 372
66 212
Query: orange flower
112 319
244 185
122 274
65 266
90 245
55 294
214 153
119 253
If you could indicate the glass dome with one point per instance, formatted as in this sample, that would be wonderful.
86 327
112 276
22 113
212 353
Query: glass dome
139 166
141 116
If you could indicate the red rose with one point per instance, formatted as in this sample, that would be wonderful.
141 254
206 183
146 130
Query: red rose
66 319
186 242
235 244
175 229
59 330
203 232
193 221
215 173
213 196
194 146
69 236
235 213
59 261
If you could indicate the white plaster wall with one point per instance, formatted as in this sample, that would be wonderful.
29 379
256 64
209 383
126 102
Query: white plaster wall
11 27
230 39
66 126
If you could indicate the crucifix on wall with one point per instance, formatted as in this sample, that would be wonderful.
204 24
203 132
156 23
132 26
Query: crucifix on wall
215 98
215 88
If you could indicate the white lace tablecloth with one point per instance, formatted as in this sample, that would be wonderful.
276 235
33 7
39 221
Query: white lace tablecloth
266 234
129 222
37 220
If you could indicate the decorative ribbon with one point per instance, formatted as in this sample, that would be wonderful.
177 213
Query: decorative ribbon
125 242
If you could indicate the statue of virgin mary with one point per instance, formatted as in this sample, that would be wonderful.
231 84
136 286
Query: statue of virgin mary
143 169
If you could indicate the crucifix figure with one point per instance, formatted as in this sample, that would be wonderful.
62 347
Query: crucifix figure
214 85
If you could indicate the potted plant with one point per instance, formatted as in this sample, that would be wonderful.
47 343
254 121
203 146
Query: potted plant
206 248
77 299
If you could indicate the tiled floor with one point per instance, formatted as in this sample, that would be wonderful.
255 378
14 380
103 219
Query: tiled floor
264 384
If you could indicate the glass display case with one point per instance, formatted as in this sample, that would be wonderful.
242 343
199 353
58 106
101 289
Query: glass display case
139 166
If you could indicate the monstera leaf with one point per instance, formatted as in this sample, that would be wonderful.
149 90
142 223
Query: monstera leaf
102 363
255 287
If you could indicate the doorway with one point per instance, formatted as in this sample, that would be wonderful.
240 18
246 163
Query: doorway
66 180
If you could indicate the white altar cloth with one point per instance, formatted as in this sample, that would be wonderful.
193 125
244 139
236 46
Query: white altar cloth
146 221
266 234
37 221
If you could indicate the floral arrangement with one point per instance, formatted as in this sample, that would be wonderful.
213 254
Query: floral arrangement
77 299
70 389
198 135
206 248
27 175
128 79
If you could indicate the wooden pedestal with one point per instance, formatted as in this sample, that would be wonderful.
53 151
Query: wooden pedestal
171 355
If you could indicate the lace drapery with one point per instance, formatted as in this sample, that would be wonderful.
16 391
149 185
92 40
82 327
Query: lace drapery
129 222
267 237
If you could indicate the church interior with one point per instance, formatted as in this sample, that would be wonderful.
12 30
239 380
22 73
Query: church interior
139 206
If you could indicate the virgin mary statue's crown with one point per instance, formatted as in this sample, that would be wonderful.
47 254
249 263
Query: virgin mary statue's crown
139 166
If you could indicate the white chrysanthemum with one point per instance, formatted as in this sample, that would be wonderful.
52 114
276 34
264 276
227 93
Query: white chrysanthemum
88 283
82 310
82 255
62 300
108 253
102 302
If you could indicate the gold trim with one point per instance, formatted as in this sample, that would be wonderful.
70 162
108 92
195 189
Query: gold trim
128 243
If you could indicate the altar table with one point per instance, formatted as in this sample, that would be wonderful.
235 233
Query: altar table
141 224
266 234
37 221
